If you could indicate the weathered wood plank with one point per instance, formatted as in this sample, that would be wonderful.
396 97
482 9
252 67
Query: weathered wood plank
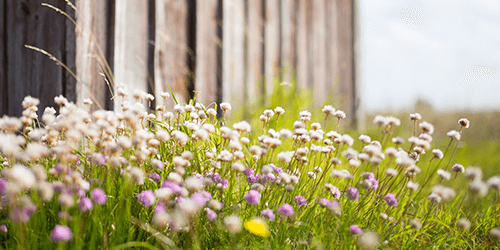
302 45
171 49
288 38
318 52
254 50
131 46
30 72
70 83
233 76
206 51
345 36
332 49
272 45
3 68
91 52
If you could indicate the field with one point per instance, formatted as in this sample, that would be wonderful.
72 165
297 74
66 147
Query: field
285 178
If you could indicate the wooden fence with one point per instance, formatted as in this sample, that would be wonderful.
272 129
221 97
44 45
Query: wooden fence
227 50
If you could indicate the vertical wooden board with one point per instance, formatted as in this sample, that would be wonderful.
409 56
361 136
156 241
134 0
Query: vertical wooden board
3 69
332 49
171 49
288 38
233 77
302 45
344 11
131 46
91 52
31 72
272 44
254 51
206 51
70 83
318 52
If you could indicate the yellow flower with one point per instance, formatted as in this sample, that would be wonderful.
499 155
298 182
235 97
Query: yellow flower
257 226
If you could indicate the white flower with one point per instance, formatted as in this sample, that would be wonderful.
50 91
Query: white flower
329 110
340 114
279 110
438 153
242 126
365 138
444 174
225 106
193 184
233 224
479 187
20 175
380 120
494 182
415 117
463 223
426 127
464 122
412 186
473 173
453 134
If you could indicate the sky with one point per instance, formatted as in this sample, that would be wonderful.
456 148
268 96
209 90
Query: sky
444 51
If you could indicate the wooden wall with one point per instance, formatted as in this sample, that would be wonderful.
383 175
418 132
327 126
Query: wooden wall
226 50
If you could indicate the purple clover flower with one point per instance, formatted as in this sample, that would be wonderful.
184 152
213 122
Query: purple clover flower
3 228
160 207
335 192
85 204
201 197
157 164
352 193
324 202
99 196
61 233
355 229
248 171
457 168
300 200
391 200
3 186
99 159
154 177
252 179
211 215
268 213
369 181
146 198
253 197
285 210
172 185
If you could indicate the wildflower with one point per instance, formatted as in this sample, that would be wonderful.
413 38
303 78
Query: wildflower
233 223
412 186
444 174
340 114
225 106
434 198
495 232
334 191
85 204
369 181
479 187
464 122
426 127
20 175
473 173
380 120
352 193
211 112
391 200
415 223
463 223
415 117
368 240
438 153
457 168
364 138
279 110
355 229
300 200
201 197
211 214
268 213
258 227
61 233
285 210
398 140
453 134
446 193
146 198
328 110
494 182
391 172
66 200
99 196
393 121
45 191
3 228
253 197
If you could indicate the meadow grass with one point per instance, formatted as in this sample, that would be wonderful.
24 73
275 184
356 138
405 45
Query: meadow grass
286 179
